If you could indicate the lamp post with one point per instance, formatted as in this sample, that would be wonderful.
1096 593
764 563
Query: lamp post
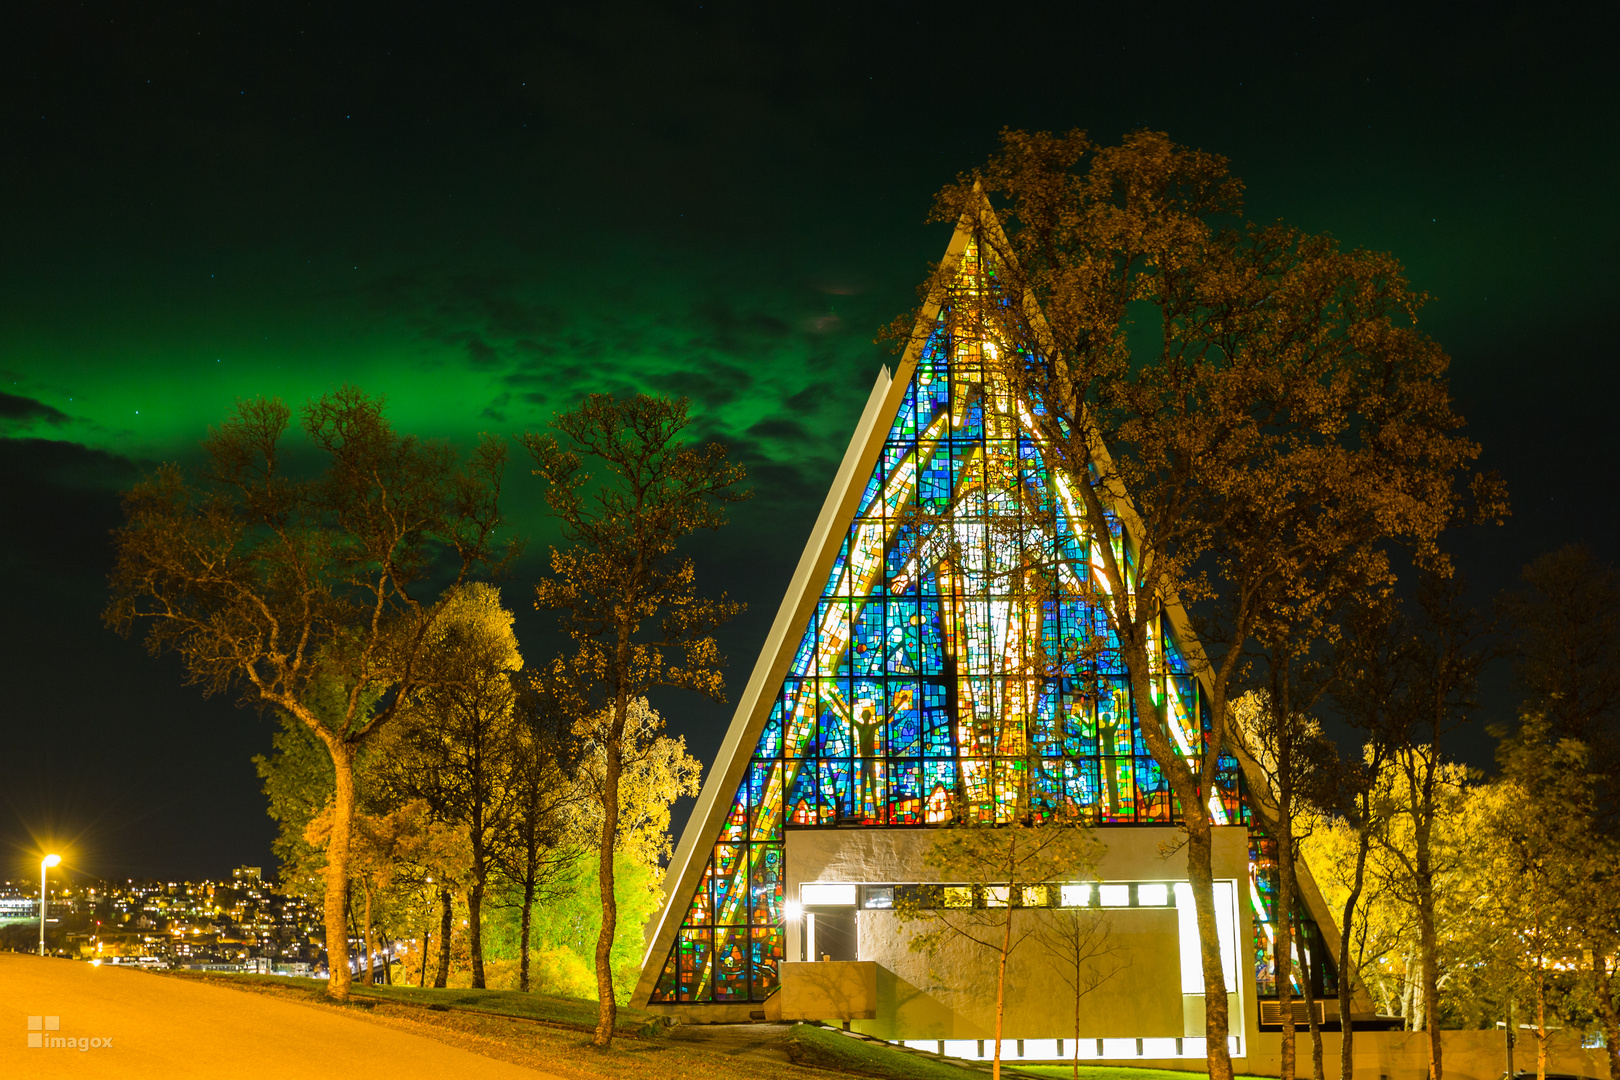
44 864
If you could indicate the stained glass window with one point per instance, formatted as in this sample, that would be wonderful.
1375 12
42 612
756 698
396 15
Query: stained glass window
957 665
1309 952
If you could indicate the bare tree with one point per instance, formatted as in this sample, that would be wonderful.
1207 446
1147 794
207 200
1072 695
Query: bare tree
1083 954
1299 763
1002 870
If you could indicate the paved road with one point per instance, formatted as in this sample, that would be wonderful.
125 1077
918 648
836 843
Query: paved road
160 1027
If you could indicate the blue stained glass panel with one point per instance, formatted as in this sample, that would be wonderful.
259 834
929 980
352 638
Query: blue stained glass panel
836 784
905 719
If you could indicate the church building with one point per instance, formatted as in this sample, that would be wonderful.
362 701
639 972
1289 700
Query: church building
900 681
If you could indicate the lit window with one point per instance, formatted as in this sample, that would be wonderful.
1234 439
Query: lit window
1035 896
996 895
958 896
1154 895
880 896
823 894
1114 895
1077 896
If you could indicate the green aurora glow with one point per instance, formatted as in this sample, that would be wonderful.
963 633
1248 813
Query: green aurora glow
483 217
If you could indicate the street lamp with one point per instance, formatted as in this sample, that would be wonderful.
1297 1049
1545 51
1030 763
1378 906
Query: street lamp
44 864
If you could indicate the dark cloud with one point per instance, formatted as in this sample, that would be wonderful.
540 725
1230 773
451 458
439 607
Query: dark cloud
480 355
737 331
807 399
16 409
61 503
804 484
496 410
710 382
782 429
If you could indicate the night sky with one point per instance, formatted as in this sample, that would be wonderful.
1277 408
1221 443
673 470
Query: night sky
484 217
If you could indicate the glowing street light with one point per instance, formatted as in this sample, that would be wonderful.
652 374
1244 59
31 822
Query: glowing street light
44 864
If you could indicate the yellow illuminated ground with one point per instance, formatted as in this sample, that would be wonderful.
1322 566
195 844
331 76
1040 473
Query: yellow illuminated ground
162 1027
187 1025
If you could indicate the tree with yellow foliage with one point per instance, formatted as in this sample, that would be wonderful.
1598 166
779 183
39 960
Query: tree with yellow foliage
458 745
625 597
1565 756
654 771
392 856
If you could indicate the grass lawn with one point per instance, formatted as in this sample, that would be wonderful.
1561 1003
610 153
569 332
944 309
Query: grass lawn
493 1023
556 1010
1120 1072
572 1012
826 1048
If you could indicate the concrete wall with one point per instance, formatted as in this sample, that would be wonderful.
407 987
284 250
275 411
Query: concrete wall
836 990
951 993
1139 852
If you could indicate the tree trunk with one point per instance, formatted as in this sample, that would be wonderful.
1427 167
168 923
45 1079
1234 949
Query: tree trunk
1512 1037
1310 961
523 934
1283 837
606 1007
1201 875
475 929
480 870
337 870
1076 1073
1285 948
1607 1015
446 914
1347 1032
365 887
1542 1034
427 942
1001 986
1287 873
1411 996
348 908
1431 966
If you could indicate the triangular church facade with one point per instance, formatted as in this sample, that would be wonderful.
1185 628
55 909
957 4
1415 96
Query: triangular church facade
899 683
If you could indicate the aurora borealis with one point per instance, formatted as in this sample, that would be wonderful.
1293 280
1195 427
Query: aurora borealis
483 216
